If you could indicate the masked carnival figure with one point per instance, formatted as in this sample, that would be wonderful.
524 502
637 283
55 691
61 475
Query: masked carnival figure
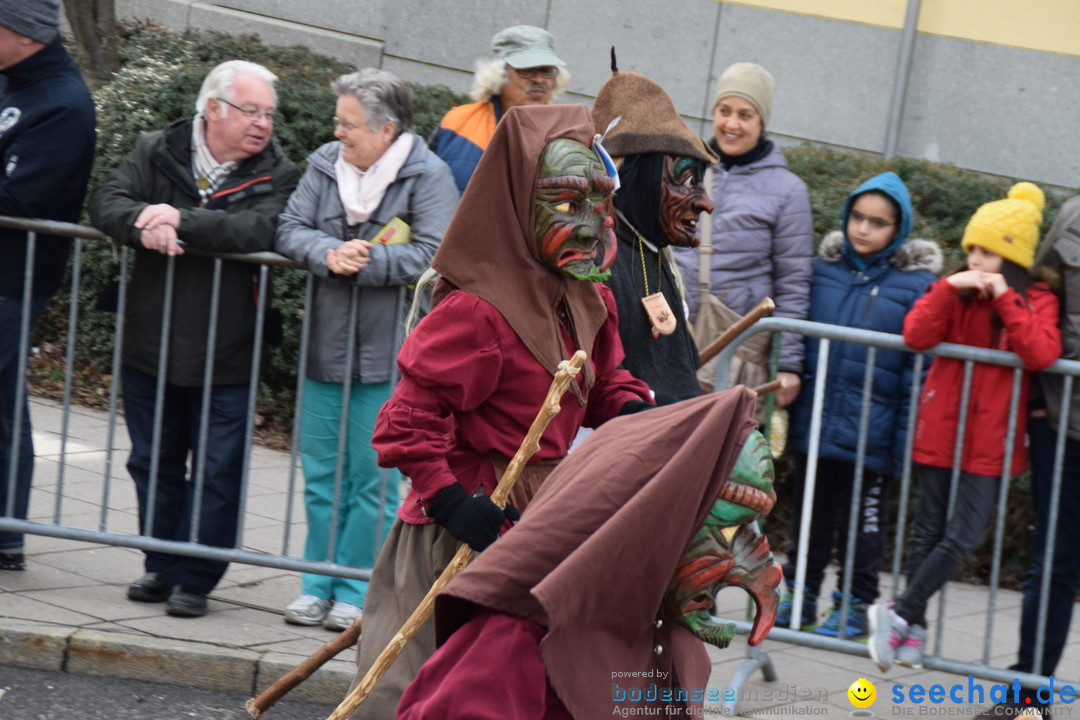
600 598
518 293
661 196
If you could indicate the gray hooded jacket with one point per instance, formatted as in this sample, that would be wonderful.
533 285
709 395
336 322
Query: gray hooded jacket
1060 253
763 243
424 196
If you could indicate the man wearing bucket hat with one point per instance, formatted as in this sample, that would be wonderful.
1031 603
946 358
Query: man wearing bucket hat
524 70
46 150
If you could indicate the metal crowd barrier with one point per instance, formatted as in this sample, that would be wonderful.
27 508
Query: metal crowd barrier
935 658
280 555
276 554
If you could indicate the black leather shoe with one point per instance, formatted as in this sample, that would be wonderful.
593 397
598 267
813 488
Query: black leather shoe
12 561
151 587
186 601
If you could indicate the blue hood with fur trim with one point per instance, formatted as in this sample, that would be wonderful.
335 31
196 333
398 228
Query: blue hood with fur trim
890 184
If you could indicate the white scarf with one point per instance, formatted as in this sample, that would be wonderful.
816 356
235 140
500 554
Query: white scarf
208 172
362 192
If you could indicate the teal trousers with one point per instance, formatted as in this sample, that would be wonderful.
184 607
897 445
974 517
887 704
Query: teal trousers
350 503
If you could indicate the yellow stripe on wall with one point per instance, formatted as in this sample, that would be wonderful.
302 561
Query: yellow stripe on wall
886 13
1044 25
1047 25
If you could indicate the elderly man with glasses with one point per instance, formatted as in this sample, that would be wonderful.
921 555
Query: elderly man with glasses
523 71
216 183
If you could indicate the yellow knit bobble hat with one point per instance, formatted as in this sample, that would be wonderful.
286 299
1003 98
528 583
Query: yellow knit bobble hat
1009 227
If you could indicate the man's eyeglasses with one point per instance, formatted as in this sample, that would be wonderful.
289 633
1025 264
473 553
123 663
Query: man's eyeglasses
253 113
546 72
876 223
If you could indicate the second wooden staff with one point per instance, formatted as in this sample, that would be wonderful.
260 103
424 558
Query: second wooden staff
713 349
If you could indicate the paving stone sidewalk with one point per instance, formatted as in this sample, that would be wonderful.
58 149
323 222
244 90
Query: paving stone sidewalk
69 612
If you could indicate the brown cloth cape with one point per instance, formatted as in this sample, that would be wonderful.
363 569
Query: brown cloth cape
594 553
490 248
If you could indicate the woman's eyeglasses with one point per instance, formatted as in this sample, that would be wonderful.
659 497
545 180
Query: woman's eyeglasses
347 126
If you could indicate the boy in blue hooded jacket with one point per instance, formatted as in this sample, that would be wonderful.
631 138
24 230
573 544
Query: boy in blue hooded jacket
866 276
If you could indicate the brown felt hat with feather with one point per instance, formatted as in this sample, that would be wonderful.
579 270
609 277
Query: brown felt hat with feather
648 121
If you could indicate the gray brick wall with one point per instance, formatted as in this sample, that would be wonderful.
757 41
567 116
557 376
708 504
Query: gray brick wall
994 109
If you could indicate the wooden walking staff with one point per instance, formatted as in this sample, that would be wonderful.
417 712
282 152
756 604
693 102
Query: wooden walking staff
550 408
771 386
266 699
256 706
713 349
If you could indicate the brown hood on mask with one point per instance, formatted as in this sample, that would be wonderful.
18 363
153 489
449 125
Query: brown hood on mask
594 553
491 250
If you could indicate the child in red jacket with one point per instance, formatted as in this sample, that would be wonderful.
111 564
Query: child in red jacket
996 304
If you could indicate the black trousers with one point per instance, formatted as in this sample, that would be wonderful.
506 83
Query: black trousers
939 544
829 525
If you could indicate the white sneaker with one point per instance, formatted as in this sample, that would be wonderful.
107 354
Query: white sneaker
341 616
887 631
307 610
910 652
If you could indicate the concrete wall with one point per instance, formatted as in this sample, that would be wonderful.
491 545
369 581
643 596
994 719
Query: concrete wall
1000 109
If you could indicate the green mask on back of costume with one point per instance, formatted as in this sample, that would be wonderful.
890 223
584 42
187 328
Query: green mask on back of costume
728 549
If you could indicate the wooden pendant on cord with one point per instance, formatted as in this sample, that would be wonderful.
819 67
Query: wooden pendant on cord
659 312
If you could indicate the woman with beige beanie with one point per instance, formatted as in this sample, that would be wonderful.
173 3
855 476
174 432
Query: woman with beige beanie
761 232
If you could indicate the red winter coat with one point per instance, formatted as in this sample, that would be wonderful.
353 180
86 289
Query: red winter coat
1031 331
470 389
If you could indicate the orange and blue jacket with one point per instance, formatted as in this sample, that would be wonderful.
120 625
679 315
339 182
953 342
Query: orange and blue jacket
462 136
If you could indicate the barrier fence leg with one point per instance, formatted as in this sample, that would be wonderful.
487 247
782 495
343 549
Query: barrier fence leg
755 659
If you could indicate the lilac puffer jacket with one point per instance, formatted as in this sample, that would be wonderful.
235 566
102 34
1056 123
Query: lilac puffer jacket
763 244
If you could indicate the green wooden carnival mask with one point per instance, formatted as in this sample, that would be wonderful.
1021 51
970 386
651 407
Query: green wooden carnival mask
572 225
729 549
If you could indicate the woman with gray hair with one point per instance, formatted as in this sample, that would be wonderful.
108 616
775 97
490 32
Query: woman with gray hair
365 220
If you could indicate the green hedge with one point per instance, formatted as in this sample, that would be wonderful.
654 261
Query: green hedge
160 75
943 196
157 84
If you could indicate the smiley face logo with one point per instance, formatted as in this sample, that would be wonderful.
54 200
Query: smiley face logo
862 693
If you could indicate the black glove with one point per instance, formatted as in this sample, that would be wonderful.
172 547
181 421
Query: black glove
472 520
633 406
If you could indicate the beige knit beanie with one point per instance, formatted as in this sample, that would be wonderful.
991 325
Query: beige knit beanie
752 83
